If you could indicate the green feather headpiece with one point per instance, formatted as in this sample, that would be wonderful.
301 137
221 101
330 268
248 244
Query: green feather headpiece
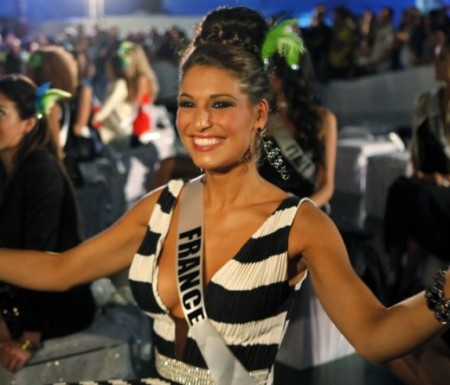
36 60
283 40
123 52
46 98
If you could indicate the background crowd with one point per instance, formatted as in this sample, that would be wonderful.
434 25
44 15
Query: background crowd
342 44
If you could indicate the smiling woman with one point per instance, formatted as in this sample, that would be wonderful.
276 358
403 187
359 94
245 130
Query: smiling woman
257 241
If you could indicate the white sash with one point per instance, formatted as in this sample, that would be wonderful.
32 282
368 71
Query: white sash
292 151
223 365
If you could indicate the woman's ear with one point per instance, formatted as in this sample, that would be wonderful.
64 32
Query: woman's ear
30 124
262 114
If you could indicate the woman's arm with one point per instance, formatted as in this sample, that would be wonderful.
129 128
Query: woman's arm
53 119
377 333
103 255
430 365
325 181
142 89
118 95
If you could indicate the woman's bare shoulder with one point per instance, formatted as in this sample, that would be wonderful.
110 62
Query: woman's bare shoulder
145 206
325 112
311 227
327 116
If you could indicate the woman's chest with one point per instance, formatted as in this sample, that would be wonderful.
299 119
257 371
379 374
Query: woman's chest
232 261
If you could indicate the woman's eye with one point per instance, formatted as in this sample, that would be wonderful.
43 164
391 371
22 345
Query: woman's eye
185 104
222 104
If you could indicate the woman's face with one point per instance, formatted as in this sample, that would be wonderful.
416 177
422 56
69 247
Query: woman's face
12 127
215 119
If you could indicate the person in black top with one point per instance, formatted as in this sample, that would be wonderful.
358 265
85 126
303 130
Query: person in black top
37 210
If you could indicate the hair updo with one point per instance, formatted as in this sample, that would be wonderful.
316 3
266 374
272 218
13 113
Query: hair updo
239 26
21 90
231 38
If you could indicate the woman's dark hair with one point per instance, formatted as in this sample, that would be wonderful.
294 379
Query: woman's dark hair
242 31
22 92
298 87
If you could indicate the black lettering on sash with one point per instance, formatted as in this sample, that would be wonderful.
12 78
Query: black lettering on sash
196 315
294 154
189 273
189 280
193 247
191 299
297 161
196 232
292 151
187 264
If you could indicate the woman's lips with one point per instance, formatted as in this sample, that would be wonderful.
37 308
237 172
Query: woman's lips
207 144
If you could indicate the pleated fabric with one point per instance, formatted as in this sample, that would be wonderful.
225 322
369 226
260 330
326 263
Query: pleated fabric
247 300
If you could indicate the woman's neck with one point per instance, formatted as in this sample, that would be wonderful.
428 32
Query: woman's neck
234 188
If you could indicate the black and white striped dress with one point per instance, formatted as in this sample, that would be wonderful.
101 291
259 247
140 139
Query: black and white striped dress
246 300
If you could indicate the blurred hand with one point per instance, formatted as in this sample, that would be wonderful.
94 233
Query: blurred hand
13 357
420 176
96 124
441 180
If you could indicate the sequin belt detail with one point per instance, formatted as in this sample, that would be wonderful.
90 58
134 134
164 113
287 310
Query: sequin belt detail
177 371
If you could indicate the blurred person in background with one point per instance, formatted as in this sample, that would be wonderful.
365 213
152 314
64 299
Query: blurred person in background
54 65
115 117
37 210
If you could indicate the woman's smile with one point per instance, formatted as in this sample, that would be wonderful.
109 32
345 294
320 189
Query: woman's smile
207 143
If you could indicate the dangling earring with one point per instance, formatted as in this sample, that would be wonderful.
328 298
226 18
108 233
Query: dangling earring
273 155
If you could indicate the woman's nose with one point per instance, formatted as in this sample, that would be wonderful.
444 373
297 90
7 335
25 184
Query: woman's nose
202 119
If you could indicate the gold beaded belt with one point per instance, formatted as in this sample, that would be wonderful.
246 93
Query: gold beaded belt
177 371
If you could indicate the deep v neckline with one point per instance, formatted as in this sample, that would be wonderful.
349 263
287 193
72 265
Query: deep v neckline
239 251
218 271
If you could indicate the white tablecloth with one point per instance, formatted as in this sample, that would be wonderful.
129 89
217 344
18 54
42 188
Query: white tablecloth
382 170
352 159
311 338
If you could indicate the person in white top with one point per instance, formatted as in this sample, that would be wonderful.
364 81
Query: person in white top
115 117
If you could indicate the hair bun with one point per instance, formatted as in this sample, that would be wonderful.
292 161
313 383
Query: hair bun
237 26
